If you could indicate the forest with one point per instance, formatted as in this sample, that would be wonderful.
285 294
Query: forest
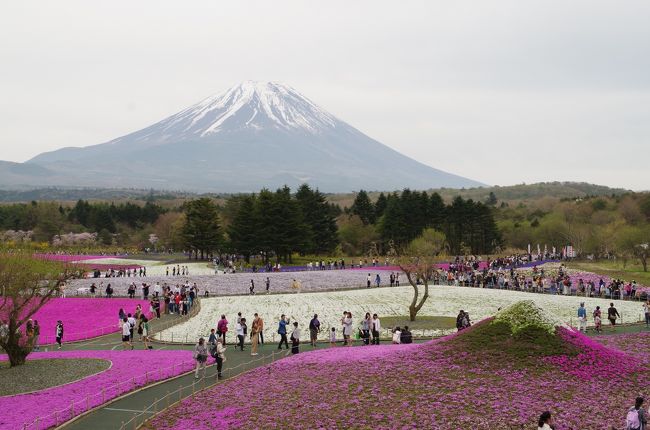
283 222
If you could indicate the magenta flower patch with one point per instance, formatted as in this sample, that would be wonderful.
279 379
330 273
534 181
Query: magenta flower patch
129 370
83 318
429 386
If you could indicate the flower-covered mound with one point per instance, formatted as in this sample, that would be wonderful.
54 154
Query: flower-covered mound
485 377
129 370
443 301
83 318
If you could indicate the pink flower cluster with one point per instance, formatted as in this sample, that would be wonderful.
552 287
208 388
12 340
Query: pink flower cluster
83 318
67 258
129 370
434 386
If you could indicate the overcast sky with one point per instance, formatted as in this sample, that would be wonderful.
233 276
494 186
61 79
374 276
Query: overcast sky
503 92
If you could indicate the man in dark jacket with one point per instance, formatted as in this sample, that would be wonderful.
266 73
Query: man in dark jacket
406 336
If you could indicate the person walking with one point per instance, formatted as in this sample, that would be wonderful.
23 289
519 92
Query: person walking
282 331
132 324
241 332
646 312
268 285
377 280
346 322
333 337
376 327
201 357
314 329
636 418
582 318
366 325
220 357
255 330
37 334
612 314
260 324
126 334
252 287
222 328
295 338
145 331
368 280
598 322
59 333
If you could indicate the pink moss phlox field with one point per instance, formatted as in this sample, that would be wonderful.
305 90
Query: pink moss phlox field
635 344
83 318
434 386
595 361
68 258
126 374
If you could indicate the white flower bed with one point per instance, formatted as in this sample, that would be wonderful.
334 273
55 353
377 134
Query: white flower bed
443 301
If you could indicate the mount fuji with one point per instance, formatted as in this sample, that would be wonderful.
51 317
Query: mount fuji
255 135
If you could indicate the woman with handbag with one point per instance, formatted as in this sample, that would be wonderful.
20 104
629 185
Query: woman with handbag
201 357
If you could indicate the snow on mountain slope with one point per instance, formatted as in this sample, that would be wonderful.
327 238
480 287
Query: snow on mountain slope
254 105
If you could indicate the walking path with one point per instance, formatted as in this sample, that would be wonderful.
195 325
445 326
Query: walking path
133 409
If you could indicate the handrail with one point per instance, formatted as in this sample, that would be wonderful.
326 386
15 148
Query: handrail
176 396
78 407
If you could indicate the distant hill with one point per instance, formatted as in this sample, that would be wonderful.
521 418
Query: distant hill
256 134
511 193
514 193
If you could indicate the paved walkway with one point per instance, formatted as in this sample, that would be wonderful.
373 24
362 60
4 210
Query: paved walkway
131 406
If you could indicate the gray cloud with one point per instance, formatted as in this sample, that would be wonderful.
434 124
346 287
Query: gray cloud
503 92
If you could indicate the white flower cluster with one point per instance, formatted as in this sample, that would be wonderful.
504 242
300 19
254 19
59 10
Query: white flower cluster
443 301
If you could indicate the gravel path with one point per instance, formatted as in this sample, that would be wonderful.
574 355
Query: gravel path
40 374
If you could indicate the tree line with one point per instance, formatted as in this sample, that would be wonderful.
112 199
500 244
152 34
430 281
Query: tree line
271 224
469 226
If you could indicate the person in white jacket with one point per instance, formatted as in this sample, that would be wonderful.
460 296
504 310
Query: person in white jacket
545 421
397 335
376 327
220 357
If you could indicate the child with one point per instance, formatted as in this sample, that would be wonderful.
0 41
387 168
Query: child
597 320
333 337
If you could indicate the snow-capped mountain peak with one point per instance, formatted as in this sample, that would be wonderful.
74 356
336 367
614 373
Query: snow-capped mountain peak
250 104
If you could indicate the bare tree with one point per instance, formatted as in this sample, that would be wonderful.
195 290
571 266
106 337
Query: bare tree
26 284
418 261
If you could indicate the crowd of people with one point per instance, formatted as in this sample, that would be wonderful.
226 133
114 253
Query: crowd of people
469 275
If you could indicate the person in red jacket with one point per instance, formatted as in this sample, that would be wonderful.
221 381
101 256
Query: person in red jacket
222 328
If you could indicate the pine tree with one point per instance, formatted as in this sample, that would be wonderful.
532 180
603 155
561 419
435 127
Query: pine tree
202 232
363 208
323 231
242 230
380 205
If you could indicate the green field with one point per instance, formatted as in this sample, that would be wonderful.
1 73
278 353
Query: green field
614 269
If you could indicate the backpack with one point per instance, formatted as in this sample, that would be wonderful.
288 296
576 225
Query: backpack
632 420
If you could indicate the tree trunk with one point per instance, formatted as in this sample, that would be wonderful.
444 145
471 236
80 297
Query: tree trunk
16 353
412 313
